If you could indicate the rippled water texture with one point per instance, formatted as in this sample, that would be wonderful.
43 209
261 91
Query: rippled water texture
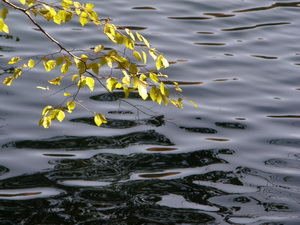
233 160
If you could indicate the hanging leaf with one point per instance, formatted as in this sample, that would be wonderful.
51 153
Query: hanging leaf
142 89
3 13
98 48
90 83
99 119
49 65
111 83
60 116
56 81
14 60
71 106
137 55
31 63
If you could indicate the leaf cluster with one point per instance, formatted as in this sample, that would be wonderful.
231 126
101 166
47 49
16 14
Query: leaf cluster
89 65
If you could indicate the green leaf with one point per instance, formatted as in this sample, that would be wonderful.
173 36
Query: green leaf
99 119
3 13
59 61
95 68
90 82
133 69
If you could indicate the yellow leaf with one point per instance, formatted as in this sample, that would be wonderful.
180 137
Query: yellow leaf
90 82
89 5
143 91
77 4
191 101
144 57
23 1
46 122
17 72
67 94
164 90
154 93
31 63
56 81
81 83
158 63
154 77
153 54
139 36
99 119
71 106
8 81
43 88
60 116
46 109
98 48
50 65
164 62
137 55
130 34
83 18
74 77
111 83
14 60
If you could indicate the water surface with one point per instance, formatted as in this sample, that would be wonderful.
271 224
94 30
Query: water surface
233 160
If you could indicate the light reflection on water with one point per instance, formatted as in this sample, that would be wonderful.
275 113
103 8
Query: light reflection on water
234 160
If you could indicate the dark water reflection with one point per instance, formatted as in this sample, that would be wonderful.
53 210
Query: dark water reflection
233 160
112 197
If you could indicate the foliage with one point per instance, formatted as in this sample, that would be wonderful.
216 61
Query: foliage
88 66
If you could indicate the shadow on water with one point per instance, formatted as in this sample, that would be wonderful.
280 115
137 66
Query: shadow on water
155 121
103 190
149 137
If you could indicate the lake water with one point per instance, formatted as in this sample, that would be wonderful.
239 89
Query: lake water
233 160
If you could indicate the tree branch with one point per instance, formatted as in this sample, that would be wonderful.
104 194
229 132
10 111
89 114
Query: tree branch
40 28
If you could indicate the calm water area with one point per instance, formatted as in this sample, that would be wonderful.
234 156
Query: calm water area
233 160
